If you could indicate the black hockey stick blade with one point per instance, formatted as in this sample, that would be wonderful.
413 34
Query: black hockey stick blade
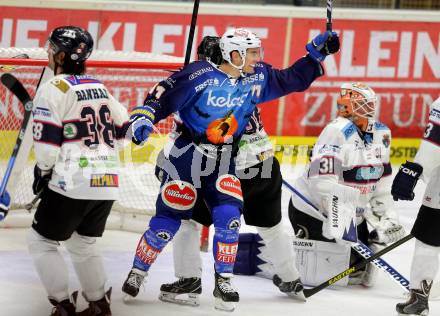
15 86
354 268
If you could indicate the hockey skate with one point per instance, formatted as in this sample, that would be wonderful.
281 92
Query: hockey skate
64 308
132 284
189 288
225 295
98 308
292 288
417 304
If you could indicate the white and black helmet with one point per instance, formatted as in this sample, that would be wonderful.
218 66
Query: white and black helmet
238 39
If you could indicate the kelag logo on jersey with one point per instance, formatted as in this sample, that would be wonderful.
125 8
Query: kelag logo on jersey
369 173
227 100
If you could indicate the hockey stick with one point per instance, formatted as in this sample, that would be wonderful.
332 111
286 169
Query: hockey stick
191 32
361 264
204 236
31 204
15 86
329 25
362 249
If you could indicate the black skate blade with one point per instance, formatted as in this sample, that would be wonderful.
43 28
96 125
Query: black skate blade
190 299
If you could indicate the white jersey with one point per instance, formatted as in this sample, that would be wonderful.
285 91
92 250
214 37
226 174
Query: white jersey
255 145
345 155
76 125
428 156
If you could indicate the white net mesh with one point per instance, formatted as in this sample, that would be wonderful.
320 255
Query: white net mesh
138 186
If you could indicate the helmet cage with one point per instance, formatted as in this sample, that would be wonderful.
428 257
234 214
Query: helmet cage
358 99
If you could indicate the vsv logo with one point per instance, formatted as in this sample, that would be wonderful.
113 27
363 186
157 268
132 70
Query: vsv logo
226 101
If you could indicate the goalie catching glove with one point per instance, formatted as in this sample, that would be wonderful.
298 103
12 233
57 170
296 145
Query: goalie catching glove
387 228
5 203
405 181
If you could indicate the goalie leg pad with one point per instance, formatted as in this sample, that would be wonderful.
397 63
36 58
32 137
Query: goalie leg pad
88 265
425 263
318 261
50 265
280 252
425 227
247 261
186 253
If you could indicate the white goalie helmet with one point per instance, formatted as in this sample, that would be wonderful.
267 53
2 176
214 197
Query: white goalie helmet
238 39
358 99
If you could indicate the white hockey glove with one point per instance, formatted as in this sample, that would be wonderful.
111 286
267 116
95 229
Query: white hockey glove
387 228
340 209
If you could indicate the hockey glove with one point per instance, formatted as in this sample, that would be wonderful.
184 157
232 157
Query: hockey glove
405 181
41 179
387 232
322 45
141 124
5 203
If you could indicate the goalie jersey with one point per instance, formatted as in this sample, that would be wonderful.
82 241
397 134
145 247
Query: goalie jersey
345 155
76 126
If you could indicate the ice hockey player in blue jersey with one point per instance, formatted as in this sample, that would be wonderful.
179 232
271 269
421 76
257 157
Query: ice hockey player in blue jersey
214 104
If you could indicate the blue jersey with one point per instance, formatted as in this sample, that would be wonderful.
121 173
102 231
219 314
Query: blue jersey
214 107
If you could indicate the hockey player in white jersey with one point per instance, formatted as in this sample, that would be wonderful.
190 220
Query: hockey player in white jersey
75 126
426 166
348 178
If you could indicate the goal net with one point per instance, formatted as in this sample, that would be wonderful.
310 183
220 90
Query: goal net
128 76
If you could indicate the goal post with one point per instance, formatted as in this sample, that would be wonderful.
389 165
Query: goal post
128 76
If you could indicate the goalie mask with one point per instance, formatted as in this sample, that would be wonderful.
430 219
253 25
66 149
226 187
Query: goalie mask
238 40
357 102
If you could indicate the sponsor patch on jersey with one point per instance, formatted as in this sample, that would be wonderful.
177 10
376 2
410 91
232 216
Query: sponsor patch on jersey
146 252
61 85
200 72
83 79
164 235
226 252
104 180
229 184
349 130
179 195
234 223
70 131
40 111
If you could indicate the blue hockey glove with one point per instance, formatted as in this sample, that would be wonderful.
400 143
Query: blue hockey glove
41 179
5 203
141 124
322 45
405 181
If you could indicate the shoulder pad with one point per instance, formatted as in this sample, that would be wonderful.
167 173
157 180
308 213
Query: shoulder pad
348 129
62 85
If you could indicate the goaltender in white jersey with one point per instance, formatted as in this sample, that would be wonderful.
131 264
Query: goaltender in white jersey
348 177
426 165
